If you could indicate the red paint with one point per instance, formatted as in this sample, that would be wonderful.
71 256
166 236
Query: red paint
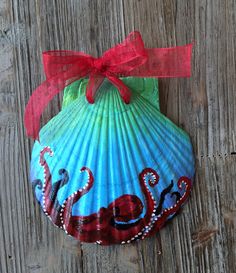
129 58
111 225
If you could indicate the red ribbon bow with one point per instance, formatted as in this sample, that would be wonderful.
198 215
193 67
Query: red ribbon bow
130 58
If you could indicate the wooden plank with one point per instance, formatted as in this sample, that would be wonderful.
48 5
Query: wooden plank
28 242
202 237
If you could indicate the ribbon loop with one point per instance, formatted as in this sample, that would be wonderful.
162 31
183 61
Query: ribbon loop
129 58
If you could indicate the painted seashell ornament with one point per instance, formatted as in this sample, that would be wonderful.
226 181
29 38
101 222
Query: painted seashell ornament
111 172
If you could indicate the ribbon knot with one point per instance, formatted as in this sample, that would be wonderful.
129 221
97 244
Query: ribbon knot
99 67
129 58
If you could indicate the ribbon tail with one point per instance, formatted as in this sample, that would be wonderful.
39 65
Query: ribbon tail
165 62
123 89
94 83
38 102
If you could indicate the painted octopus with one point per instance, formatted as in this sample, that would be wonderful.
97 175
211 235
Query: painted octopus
109 225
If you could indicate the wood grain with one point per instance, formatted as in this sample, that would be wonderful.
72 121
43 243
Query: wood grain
202 238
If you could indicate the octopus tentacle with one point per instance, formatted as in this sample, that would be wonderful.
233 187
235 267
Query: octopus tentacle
51 204
155 209
55 206
162 197
161 218
37 183
57 185
47 181
85 228
112 224
127 232
119 233
66 217
187 182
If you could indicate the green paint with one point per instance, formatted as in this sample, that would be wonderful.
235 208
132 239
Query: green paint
145 87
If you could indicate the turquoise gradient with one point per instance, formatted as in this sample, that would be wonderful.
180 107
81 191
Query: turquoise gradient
116 141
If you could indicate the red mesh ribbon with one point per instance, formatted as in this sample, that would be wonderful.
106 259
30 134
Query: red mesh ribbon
130 58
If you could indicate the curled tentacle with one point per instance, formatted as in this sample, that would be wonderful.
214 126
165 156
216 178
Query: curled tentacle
163 216
120 222
159 216
66 208
47 185
51 205
37 183
111 224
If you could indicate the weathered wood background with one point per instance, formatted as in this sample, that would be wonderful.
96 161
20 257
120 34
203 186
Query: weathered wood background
203 237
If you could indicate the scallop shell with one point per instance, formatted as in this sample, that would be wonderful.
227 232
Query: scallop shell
111 172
